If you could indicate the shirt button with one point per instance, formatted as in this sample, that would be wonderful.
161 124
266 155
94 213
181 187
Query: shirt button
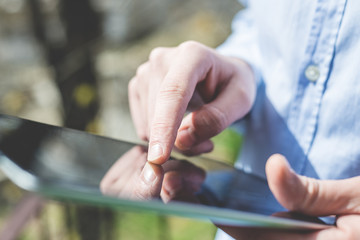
312 73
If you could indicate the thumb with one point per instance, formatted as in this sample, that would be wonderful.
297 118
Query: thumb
311 196
198 127
233 100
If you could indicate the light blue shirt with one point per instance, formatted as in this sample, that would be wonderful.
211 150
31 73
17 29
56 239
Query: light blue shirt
306 56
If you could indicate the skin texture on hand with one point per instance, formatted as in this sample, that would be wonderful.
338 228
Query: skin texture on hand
312 197
218 89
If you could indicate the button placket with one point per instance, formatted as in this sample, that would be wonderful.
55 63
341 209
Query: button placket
315 69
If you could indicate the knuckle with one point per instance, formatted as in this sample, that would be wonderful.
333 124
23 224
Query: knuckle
307 198
200 54
191 45
162 129
196 49
172 93
313 192
160 126
132 85
156 54
142 70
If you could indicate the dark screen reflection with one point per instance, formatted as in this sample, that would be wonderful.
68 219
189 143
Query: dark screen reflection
81 162
58 155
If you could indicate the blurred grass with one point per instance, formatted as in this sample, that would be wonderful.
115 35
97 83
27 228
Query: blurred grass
227 146
27 90
128 225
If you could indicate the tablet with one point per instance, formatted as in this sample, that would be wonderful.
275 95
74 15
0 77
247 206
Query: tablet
68 165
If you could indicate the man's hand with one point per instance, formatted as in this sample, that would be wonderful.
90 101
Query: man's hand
218 89
312 197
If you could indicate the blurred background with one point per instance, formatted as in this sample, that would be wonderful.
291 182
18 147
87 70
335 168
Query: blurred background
68 63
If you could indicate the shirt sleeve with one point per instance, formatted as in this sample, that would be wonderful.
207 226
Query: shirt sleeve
243 42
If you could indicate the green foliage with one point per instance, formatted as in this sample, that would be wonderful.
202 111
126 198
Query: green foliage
227 146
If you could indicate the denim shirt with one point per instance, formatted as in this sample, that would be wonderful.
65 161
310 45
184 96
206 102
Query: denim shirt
306 58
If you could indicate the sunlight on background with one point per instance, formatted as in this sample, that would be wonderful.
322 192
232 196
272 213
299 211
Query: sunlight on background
42 59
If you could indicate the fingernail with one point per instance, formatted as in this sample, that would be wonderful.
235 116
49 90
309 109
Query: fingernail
155 152
148 173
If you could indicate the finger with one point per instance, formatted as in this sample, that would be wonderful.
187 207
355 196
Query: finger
150 182
190 176
117 177
172 185
181 181
212 118
171 102
310 196
160 59
203 147
118 167
175 188
151 99
136 110
195 64
129 173
347 227
231 104
145 78
196 102
190 172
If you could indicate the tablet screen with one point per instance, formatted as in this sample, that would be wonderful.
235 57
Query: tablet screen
72 165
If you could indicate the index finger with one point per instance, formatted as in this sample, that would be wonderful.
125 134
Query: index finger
172 100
